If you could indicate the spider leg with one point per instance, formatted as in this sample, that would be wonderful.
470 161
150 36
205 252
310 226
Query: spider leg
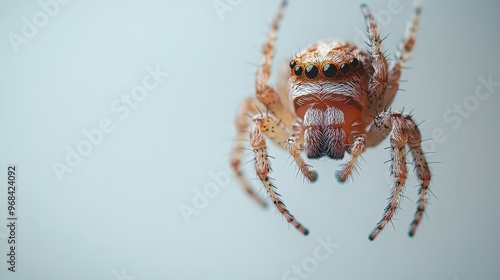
398 139
378 81
379 129
265 93
262 167
242 124
402 56
355 150
270 126
403 132
282 85
422 168
293 144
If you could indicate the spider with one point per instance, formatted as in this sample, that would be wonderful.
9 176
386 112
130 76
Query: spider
332 99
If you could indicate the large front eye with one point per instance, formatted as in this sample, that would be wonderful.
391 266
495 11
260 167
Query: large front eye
329 70
297 71
312 71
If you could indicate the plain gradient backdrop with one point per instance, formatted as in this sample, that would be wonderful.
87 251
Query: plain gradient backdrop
117 214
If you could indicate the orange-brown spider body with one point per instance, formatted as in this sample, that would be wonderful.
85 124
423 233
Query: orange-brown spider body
332 100
328 85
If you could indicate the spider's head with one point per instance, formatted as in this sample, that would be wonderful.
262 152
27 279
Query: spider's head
325 63
325 73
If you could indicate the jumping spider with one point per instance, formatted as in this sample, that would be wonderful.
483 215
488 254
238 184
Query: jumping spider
332 100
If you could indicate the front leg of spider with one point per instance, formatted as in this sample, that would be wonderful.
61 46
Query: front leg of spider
262 167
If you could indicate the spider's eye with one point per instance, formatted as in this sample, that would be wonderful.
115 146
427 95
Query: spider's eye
354 63
329 70
297 71
345 68
292 64
312 71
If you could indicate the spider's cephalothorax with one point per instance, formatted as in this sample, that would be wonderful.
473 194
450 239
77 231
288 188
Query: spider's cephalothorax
332 99
328 88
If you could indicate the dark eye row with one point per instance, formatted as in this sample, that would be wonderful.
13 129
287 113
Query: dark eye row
329 70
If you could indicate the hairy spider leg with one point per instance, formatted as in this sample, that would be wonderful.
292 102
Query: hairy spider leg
402 56
403 132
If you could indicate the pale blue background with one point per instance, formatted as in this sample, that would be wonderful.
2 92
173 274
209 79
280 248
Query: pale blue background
119 208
